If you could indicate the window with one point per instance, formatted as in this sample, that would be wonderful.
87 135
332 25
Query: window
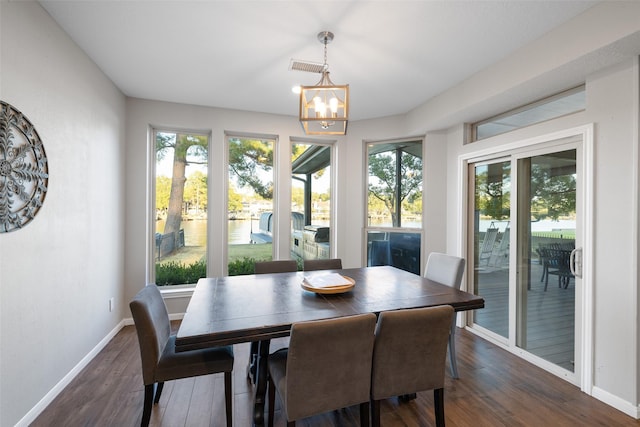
310 201
394 204
567 102
251 215
180 207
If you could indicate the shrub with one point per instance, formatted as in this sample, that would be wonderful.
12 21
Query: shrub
177 273
241 266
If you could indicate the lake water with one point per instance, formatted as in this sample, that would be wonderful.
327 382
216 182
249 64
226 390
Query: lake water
195 232
240 230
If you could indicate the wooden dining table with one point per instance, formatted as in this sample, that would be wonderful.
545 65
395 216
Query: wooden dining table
250 308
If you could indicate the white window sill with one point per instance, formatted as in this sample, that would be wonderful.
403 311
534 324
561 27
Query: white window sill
177 291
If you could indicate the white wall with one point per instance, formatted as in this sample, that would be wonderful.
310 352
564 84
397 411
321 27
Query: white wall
58 273
613 105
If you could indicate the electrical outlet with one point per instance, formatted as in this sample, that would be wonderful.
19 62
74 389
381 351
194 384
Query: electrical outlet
111 303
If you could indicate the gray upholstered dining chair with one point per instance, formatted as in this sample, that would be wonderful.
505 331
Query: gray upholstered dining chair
410 355
161 362
266 267
322 264
276 266
326 367
448 270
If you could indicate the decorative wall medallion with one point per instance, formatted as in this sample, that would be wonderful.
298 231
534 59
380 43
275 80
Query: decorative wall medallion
23 170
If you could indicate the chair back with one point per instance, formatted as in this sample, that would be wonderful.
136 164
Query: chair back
410 351
445 269
329 365
278 266
153 328
322 264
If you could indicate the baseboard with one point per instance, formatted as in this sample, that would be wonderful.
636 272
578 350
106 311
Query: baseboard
64 382
616 402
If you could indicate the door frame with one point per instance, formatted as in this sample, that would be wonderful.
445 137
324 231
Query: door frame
585 314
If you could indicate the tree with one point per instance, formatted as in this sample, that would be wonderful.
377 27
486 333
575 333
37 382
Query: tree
297 197
195 191
385 168
552 196
163 189
187 149
246 158
493 191
235 200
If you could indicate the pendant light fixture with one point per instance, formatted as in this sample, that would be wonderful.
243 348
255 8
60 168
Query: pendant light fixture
324 108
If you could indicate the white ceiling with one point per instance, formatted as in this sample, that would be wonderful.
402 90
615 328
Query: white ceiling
394 54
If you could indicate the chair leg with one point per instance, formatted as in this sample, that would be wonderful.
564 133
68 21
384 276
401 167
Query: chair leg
148 402
272 401
252 365
438 400
375 411
452 350
228 398
546 282
364 414
159 388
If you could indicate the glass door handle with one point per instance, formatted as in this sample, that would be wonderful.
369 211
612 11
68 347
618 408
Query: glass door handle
575 262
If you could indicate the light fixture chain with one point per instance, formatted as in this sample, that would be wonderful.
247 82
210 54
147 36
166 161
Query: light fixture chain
325 51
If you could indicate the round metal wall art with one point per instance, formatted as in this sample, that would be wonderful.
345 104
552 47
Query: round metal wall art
24 174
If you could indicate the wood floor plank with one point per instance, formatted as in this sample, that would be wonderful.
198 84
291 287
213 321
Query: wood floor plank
495 389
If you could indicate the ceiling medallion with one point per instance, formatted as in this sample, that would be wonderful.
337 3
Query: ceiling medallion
23 170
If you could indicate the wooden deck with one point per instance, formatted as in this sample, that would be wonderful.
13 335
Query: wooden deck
495 388
550 314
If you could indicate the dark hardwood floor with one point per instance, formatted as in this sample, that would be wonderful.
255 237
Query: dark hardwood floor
495 389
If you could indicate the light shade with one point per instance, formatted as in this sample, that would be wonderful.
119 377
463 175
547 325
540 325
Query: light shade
324 108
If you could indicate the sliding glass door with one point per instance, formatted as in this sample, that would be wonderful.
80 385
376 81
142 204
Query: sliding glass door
491 239
525 219
546 285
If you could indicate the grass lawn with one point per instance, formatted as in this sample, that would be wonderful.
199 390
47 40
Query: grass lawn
257 252
188 255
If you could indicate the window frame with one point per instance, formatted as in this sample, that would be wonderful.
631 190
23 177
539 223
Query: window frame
384 229
530 107
276 189
333 187
150 270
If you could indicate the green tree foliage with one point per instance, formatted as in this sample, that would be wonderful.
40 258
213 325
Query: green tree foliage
235 200
385 188
163 189
552 196
246 158
195 191
297 197
297 150
493 191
